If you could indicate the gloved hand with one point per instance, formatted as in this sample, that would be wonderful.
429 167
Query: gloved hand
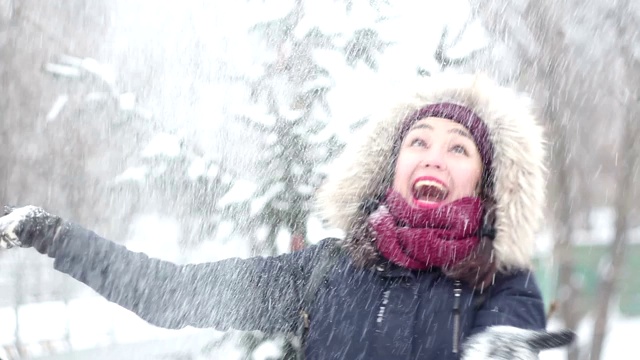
507 343
29 226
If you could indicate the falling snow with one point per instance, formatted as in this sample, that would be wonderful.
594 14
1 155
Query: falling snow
192 132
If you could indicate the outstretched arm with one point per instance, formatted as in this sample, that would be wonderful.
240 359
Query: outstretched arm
245 294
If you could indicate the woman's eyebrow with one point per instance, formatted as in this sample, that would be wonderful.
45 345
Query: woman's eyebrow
459 131
421 126
462 132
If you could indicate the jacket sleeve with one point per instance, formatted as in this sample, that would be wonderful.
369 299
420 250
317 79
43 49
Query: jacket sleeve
261 293
514 300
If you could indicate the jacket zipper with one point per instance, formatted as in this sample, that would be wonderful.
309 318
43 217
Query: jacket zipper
383 306
457 292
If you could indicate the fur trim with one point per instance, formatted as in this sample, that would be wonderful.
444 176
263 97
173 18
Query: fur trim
364 171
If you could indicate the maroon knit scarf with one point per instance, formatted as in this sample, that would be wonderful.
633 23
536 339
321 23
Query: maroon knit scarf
420 239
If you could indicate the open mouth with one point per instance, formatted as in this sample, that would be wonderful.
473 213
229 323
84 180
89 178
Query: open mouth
429 192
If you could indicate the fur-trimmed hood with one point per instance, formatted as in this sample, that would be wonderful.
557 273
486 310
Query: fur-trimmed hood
364 170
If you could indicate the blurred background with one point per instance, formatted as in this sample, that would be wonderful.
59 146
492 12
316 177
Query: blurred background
199 130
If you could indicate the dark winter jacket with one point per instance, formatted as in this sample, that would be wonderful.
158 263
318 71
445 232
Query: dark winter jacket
382 313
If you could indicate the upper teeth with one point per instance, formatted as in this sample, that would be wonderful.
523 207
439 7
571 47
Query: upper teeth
423 183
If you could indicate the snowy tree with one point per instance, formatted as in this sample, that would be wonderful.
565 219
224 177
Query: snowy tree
624 16
295 138
57 148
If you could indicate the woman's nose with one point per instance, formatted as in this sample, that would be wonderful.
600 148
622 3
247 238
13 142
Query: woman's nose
434 158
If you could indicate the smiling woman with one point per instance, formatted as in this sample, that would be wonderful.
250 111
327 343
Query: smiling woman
439 199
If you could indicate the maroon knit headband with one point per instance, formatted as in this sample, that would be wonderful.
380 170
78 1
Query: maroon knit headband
462 115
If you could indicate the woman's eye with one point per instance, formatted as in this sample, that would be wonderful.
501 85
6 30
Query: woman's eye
459 149
418 142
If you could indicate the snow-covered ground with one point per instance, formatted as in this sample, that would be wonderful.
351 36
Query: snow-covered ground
90 321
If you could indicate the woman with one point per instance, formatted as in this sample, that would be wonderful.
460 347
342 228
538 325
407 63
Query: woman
439 201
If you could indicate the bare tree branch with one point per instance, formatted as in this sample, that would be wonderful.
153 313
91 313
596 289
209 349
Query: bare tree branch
628 166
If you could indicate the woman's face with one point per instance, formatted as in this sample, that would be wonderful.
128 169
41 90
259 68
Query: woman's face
438 163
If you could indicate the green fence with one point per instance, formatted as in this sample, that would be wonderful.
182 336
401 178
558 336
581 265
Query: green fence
587 265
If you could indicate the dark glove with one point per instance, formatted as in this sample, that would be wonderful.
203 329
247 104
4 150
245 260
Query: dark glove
29 226
507 342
